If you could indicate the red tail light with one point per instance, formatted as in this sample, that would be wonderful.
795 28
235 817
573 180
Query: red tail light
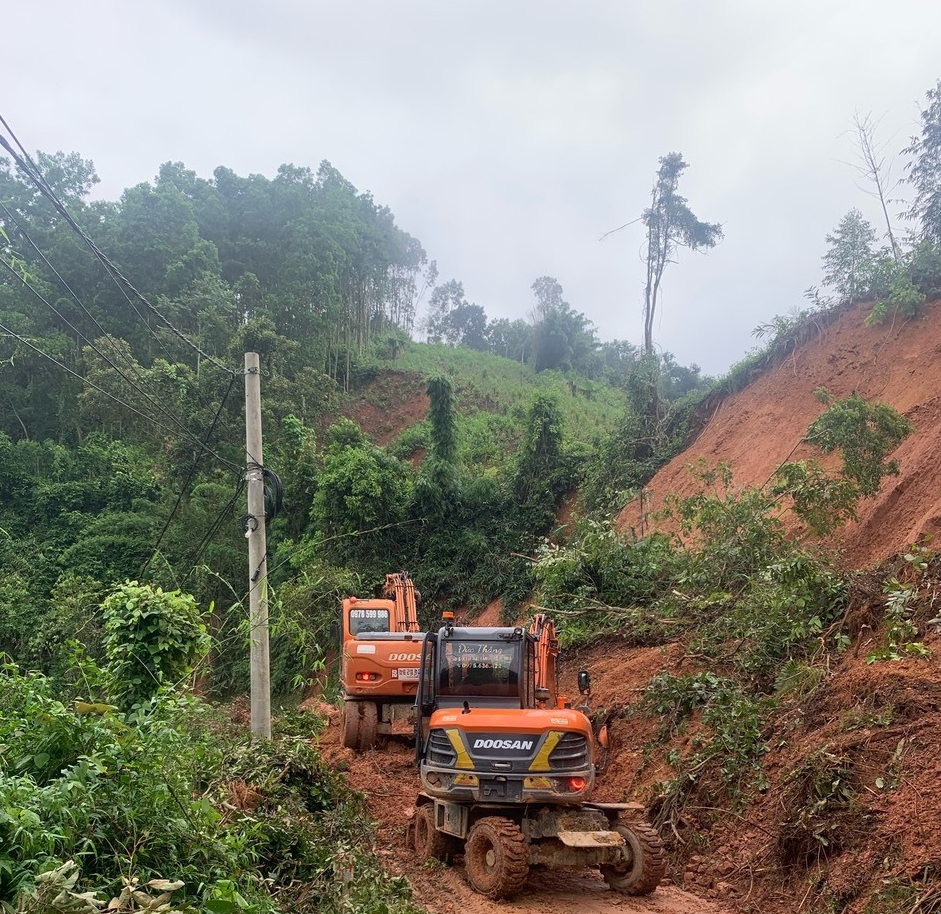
367 677
576 784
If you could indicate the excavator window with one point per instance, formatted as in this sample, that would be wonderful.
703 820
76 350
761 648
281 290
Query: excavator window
364 621
479 669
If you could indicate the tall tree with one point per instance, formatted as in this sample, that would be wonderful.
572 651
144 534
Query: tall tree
872 166
924 169
444 299
849 260
562 337
670 224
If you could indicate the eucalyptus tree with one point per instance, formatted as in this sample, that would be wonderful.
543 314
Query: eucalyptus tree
670 224
849 259
511 339
873 168
445 298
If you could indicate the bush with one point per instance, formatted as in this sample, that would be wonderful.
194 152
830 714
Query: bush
733 721
152 640
170 792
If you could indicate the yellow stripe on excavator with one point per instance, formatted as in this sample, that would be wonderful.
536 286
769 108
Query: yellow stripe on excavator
541 761
463 759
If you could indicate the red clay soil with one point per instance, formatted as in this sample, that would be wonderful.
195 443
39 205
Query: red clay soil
849 818
760 427
878 726
394 402
388 779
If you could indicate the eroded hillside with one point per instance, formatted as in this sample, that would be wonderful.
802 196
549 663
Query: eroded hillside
842 817
760 427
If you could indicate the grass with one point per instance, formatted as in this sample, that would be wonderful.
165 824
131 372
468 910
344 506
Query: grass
491 384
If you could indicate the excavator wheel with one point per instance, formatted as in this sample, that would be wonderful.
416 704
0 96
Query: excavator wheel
360 725
496 857
644 862
426 840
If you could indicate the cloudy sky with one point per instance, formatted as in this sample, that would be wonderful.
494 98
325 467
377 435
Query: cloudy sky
509 136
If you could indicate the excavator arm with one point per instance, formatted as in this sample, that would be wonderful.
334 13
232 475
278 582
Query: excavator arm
547 651
399 588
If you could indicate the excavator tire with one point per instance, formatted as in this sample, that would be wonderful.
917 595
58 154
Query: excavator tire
426 840
496 857
360 725
644 863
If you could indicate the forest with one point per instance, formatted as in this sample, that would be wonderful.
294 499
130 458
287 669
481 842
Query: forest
122 330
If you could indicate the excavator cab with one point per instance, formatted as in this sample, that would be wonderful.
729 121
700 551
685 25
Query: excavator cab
466 668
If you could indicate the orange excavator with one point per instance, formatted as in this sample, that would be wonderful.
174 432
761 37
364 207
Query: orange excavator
379 658
507 765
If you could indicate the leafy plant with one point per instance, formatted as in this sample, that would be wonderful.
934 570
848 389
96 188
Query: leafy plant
900 630
168 798
864 434
152 640
732 742
902 298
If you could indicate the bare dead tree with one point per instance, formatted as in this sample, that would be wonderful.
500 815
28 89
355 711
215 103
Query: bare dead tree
873 167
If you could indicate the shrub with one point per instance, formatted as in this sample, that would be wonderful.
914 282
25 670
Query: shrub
152 639
101 800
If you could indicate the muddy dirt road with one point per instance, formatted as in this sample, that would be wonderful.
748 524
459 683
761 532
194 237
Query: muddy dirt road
388 780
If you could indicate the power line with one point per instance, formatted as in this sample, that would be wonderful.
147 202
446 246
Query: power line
154 401
117 350
32 170
217 523
189 477
110 396
29 168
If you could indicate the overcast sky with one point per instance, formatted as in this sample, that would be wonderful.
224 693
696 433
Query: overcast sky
508 137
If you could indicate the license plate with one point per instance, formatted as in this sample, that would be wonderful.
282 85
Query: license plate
406 672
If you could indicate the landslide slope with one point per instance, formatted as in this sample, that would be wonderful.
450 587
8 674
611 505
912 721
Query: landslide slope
846 818
761 426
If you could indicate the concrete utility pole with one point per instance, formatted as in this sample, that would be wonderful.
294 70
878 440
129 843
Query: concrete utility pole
257 552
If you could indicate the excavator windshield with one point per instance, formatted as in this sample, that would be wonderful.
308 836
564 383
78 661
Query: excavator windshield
480 668
362 621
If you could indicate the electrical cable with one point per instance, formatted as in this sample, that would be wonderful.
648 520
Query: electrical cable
274 494
216 524
189 477
38 179
109 395
27 165
118 352
153 401
273 491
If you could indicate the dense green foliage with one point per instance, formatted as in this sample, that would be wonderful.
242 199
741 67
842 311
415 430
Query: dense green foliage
169 792
134 472
152 640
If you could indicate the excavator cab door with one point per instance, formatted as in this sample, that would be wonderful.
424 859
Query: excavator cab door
426 696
